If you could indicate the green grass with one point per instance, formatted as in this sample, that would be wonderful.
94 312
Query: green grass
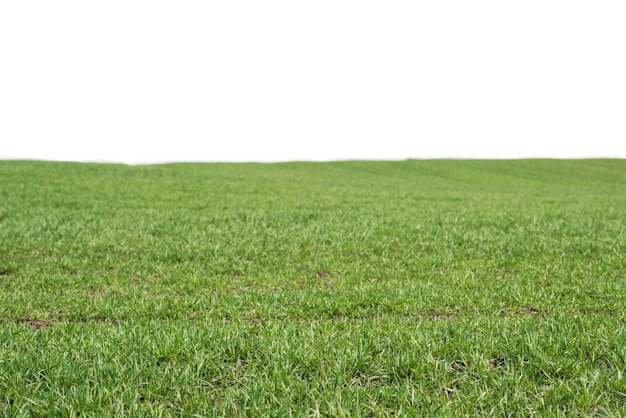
447 288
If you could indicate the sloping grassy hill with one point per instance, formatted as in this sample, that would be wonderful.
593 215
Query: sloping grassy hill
339 289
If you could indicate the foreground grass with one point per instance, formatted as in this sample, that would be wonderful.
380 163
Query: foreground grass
338 289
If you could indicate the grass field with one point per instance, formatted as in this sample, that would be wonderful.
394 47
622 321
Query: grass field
413 288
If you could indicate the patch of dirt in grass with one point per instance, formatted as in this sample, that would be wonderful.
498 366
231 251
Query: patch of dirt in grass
6 272
525 310
343 317
41 324
167 405
35 323
596 313
416 318
338 317
107 321
530 311
257 321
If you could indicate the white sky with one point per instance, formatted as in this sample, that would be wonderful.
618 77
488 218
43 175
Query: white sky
156 81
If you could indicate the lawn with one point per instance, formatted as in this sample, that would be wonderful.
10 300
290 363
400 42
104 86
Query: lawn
411 288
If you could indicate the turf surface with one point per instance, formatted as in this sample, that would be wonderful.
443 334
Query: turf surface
334 289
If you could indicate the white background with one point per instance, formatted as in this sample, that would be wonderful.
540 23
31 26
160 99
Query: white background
156 81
